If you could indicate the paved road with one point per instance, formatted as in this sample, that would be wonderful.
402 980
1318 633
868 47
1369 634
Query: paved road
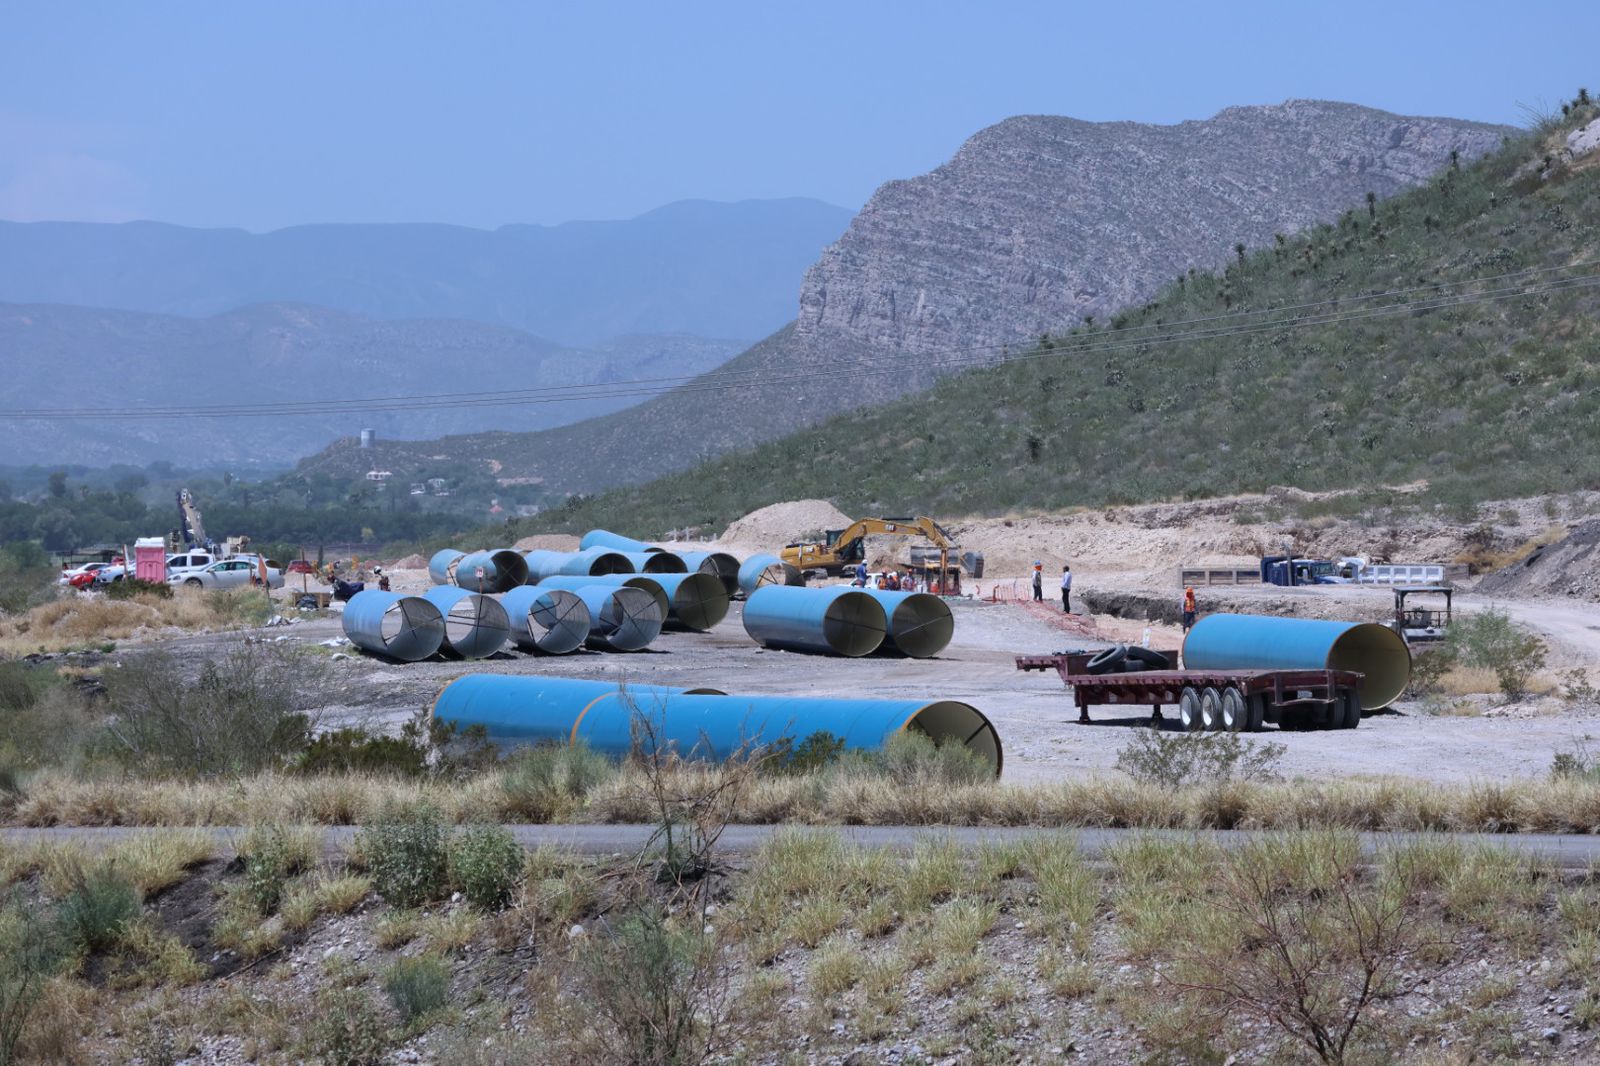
1565 852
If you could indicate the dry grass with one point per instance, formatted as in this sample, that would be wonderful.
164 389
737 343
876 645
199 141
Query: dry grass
82 620
150 861
1472 680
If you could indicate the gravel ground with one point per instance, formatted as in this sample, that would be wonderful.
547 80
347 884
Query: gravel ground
1033 712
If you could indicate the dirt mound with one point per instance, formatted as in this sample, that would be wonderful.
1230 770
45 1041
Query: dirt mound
409 562
1569 567
781 523
555 542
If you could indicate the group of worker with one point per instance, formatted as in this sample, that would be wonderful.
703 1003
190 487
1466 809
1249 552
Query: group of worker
888 581
1066 585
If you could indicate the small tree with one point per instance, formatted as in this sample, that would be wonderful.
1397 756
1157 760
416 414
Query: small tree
1372 205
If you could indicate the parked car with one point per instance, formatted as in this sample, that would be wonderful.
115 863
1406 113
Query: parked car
228 574
186 563
80 576
109 574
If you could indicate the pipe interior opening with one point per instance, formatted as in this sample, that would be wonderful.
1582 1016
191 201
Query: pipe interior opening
1381 656
640 581
510 568
854 624
476 626
921 626
630 619
558 621
664 562
699 602
950 721
411 629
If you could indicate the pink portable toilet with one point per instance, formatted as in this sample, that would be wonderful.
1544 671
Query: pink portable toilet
150 559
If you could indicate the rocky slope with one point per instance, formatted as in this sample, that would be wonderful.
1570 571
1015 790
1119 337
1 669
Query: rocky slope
1036 222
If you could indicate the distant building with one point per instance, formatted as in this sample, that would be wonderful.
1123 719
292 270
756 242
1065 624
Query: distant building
379 476
369 437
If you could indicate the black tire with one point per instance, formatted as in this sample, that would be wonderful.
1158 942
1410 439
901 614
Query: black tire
1150 660
1189 710
195 583
1211 709
1108 661
1352 709
1235 711
1257 708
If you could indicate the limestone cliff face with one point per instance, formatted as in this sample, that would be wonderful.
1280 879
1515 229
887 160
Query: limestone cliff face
1039 220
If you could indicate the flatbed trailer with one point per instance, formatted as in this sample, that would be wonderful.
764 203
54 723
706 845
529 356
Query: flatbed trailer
1232 700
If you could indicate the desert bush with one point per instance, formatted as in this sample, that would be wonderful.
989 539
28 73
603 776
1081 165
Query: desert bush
94 912
1576 763
657 988
545 781
1428 669
1576 687
1490 639
405 854
240 714
355 750
347 1030
417 986
130 587
26 577
816 751
486 863
43 723
910 759
31 951
1178 760
271 856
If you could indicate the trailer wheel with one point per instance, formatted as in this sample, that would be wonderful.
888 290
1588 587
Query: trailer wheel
1235 716
1189 709
1210 709
1352 709
1256 707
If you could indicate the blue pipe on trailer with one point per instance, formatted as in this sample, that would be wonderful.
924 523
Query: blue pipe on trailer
920 624
401 627
497 570
604 538
474 625
1261 642
696 725
621 618
692 601
840 619
549 620
759 571
442 567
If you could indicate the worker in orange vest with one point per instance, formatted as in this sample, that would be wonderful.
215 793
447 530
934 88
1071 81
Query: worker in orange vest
1188 608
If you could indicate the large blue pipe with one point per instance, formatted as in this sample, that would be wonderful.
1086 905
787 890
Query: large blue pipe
474 625
543 563
621 618
548 620
500 570
840 619
1262 642
691 601
761 570
657 562
616 720
442 567
604 538
720 565
408 628
920 625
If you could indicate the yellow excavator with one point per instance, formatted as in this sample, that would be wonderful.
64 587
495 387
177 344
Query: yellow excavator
842 549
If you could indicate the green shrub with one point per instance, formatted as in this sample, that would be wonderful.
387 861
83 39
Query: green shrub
815 752
240 715
1178 760
346 1030
26 577
94 912
486 864
656 989
912 758
405 853
545 781
1490 639
31 951
354 750
271 861
129 587
417 986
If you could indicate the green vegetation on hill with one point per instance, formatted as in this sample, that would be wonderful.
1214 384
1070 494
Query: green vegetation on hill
1483 398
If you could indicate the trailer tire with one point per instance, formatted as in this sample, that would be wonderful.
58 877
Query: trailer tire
1108 661
1210 709
1189 709
1257 708
1352 709
1235 715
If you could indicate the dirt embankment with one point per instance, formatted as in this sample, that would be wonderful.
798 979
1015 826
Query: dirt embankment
1568 567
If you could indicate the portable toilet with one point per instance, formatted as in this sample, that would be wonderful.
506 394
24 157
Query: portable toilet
150 559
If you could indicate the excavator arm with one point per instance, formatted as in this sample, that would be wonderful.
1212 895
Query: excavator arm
847 546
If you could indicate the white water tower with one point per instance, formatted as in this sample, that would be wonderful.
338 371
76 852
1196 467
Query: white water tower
368 436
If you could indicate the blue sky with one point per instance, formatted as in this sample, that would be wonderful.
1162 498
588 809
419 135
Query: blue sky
486 113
